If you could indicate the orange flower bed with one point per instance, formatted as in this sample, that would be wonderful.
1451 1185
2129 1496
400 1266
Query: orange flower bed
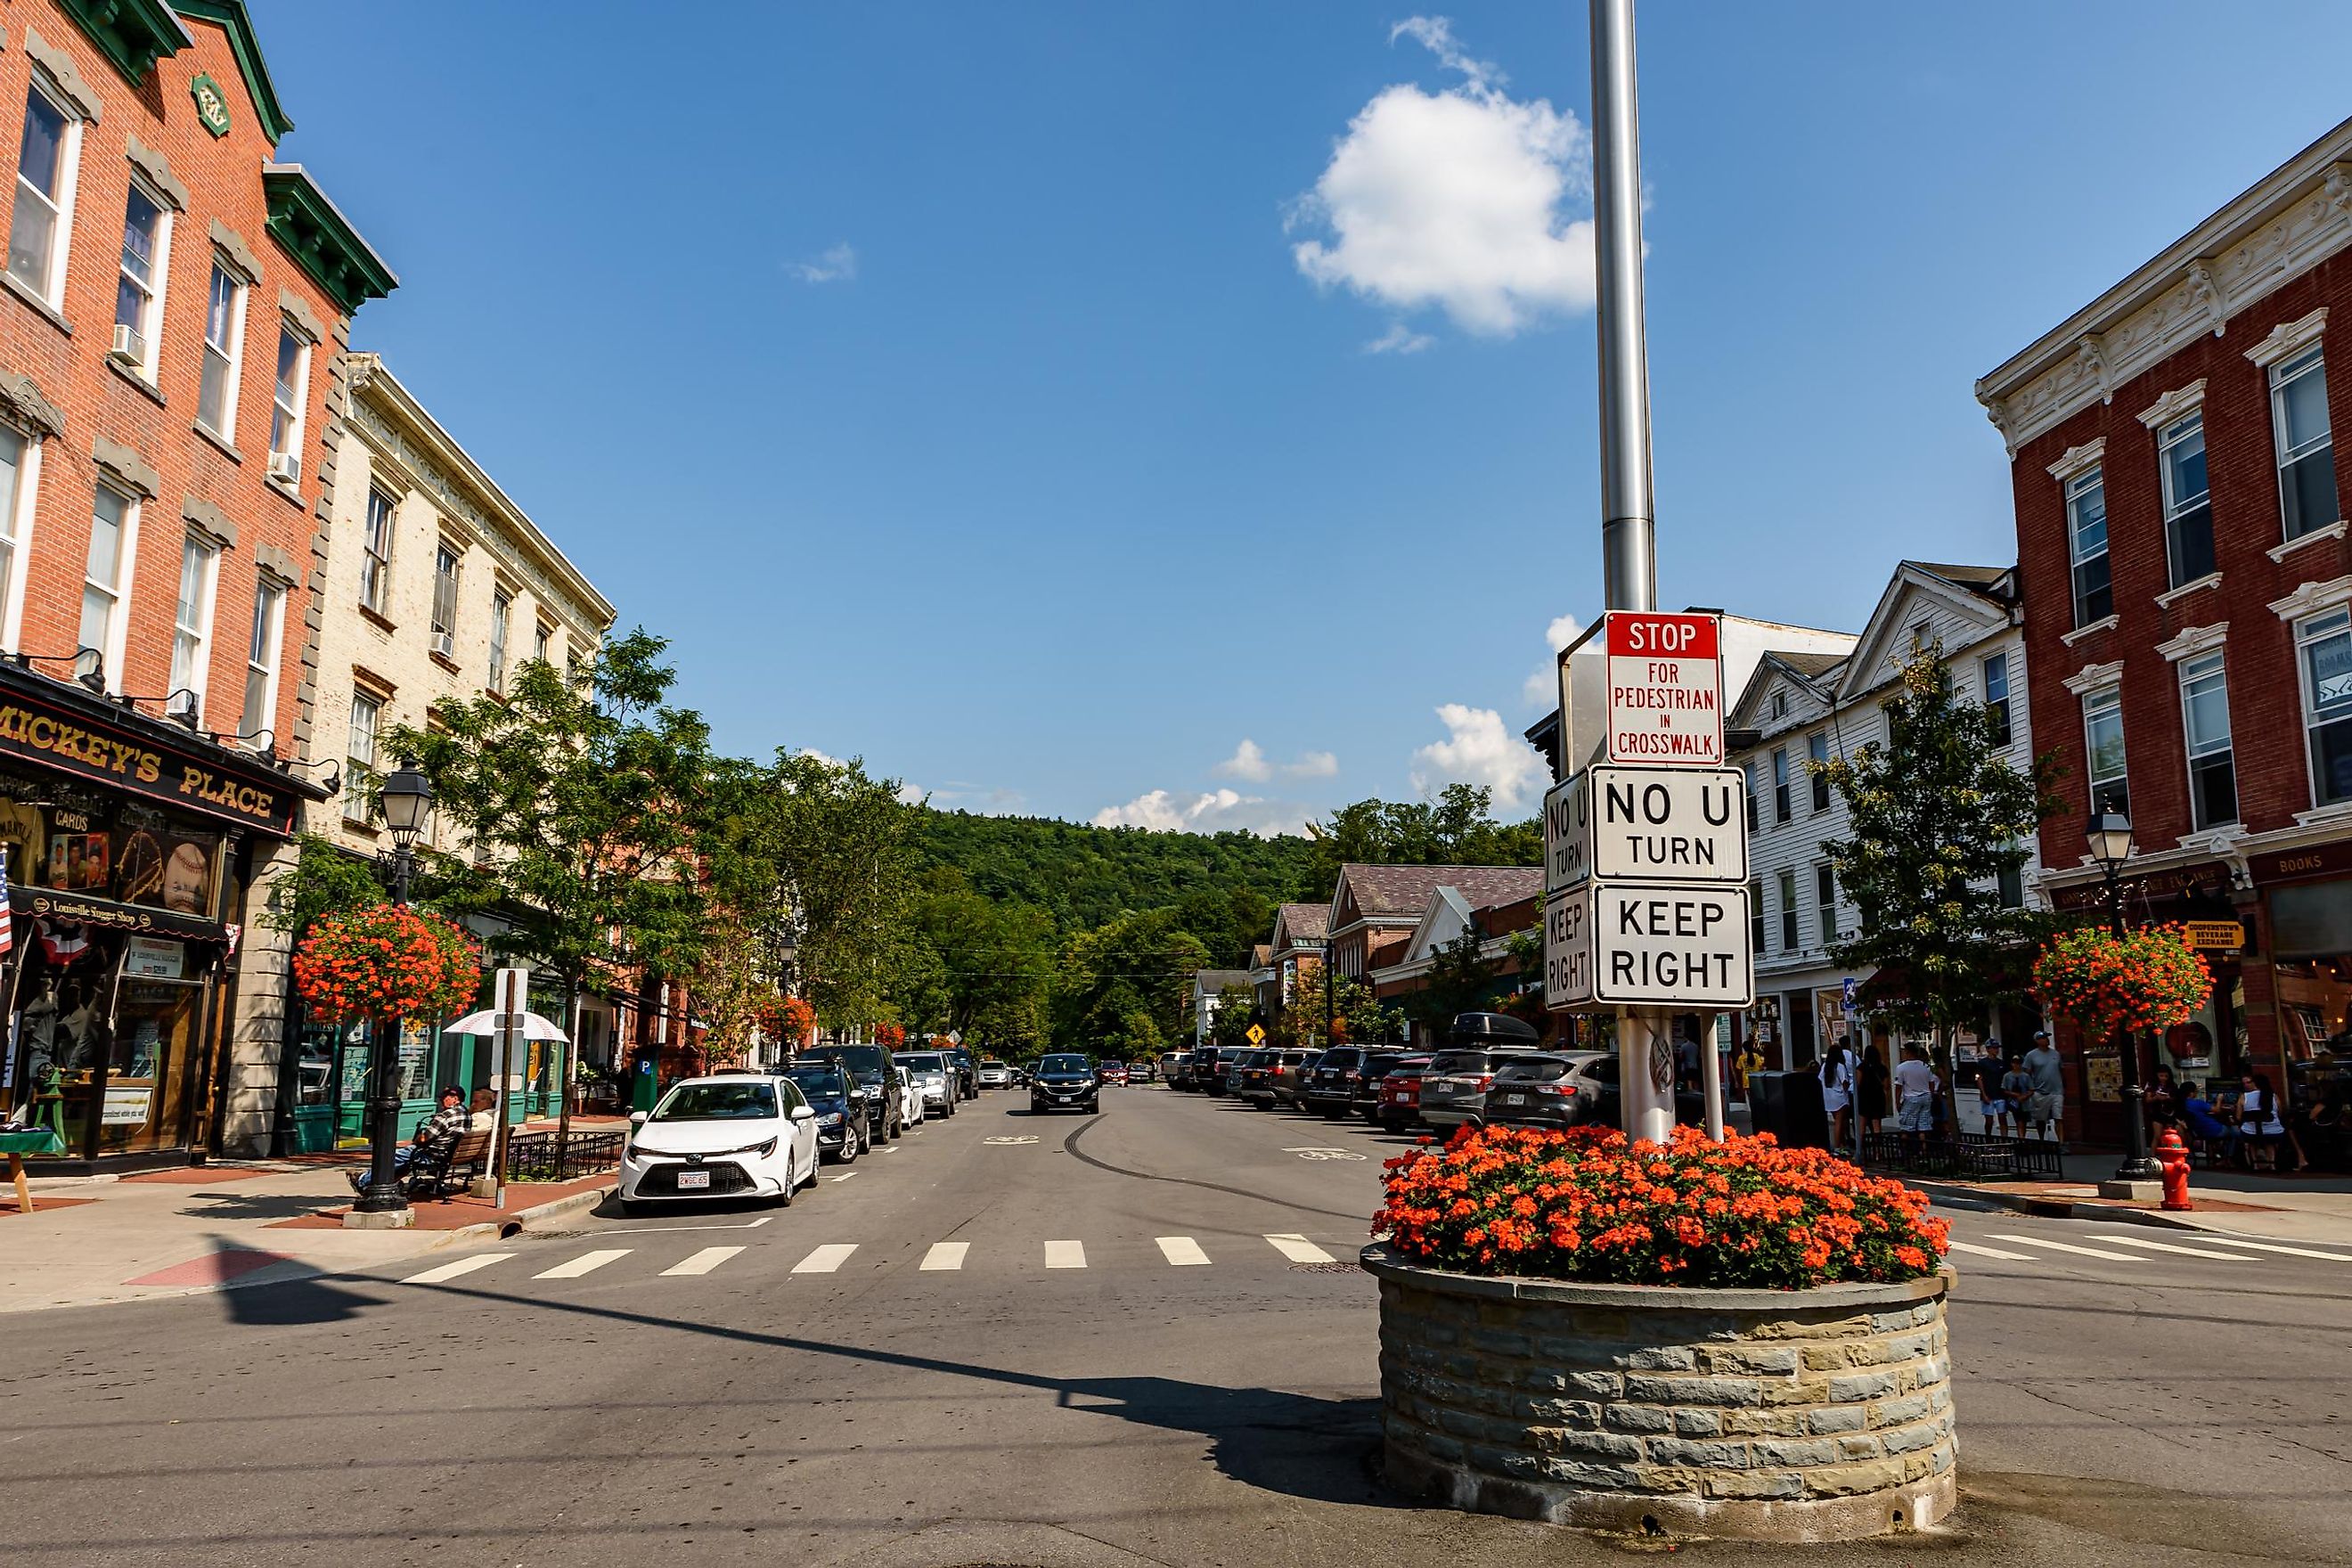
1742 1214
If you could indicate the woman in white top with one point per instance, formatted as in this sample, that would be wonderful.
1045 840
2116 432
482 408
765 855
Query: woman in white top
2259 1126
1837 1095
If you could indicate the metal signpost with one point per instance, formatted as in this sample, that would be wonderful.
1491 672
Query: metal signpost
510 992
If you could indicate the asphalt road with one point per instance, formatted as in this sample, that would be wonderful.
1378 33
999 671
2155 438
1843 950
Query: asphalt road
1020 1339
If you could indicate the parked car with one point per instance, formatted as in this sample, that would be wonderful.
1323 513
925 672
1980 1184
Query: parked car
843 1132
1396 1098
872 1068
936 1079
1289 1073
1376 1062
1141 1072
1330 1085
968 1071
1453 1088
1563 1089
1253 1077
994 1074
1064 1081
1230 1083
1176 1070
1205 1069
1113 1073
749 1136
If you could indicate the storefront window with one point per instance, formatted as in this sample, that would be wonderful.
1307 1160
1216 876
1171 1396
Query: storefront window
62 836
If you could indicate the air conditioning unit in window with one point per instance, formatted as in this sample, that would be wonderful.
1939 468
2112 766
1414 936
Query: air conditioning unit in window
445 644
129 347
285 468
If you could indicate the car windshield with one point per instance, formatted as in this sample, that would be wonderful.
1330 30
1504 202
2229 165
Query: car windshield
817 1082
1062 1064
924 1061
1533 1069
861 1059
736 1101
992 1063
1457 1061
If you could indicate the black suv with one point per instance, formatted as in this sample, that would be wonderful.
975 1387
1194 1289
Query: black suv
842 1130
1332 1082
876 1073
1065 1081
1208 1065
967 1071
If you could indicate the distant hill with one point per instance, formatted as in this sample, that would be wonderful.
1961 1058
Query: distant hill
1083 875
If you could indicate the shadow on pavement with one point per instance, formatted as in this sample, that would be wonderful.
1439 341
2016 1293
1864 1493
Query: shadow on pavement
261 1205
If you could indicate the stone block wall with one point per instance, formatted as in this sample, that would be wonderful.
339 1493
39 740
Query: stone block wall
1757 1414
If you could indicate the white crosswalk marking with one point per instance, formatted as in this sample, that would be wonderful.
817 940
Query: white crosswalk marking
436 1275
586 1262
704 1261
2070 1246
945 1255
2273 1247
1065 1255
1182 1250
1991 1252
826 1258
2169 1247
1298 1249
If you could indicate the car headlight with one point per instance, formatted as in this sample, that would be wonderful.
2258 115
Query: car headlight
762 1150
830 1119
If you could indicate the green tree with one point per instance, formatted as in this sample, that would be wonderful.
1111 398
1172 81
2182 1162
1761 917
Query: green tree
1122 986
1359 1017
1457 829
843 846
1236 1011
1460 979
977 967
1938 818
324 879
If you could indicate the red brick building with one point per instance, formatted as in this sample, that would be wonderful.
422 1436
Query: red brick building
174 304
2187 596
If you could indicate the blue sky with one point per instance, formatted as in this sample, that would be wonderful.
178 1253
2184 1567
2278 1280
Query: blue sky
948 382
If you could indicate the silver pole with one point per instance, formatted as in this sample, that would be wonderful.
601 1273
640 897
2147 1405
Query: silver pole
1628 553
1629 563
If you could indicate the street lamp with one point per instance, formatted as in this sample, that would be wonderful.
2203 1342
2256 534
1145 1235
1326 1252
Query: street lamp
2110 836
407 801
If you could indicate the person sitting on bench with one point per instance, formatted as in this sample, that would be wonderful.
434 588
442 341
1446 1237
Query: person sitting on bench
438 1131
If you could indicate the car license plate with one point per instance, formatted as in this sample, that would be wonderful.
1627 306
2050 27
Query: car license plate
688 1180
1514 1099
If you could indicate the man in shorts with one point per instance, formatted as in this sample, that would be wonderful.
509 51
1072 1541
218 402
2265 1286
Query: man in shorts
2046 1106
1991 1097
1915 1096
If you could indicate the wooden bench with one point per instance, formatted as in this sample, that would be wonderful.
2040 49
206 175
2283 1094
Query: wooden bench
443 1167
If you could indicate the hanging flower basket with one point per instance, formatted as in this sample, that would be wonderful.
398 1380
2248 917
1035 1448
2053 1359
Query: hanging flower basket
386 963
2146 979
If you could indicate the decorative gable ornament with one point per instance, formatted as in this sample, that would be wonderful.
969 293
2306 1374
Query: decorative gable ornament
212 105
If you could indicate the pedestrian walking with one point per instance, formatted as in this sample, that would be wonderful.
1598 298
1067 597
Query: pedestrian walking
1871 1098
1992 1100
2045 1104
1837 1095
1914 1097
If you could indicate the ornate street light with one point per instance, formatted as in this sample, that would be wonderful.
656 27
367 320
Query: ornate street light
407 804
2110 836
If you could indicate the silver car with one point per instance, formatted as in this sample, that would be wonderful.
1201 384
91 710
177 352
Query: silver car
1453 1089
935 1076
994 1074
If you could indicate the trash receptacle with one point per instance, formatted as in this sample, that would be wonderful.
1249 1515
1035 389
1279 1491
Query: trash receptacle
1788 1105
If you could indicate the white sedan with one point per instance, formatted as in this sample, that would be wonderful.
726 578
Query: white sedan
730 1135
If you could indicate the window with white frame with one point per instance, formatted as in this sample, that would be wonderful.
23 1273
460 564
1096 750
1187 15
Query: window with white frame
375 552
15 481
1994 669
192 626
1753 794
1756 917
139 290
358 754
1825 893
45 165
2009 884
2305 440
2205 719
2187 500
260 712
1817 756
1788 912
2086 546
445 602
2102 739
1779 786
113 523
501 617
224 329
542 643
2324 653
287 399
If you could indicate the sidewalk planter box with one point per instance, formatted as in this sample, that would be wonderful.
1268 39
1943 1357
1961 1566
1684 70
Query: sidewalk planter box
1791 1416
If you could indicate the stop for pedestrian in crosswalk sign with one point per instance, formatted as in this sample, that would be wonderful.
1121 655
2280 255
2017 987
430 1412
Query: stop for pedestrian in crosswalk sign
1665 688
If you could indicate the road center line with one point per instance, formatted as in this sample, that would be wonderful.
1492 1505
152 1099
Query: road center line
826 1259
1182 1250
704 1261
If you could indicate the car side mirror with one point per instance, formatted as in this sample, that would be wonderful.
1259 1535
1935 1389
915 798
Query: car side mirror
804 1114
636 1119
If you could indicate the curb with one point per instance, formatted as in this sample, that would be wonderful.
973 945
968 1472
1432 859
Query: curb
2067 1208
523 1219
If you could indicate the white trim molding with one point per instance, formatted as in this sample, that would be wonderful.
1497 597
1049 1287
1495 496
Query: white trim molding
2281 552
2106 623
2094 677
2166 599
2194 640
2077 459
2313 597
2174 405
2289 337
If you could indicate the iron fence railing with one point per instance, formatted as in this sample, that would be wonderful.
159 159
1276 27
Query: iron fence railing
545 1157
1963 1155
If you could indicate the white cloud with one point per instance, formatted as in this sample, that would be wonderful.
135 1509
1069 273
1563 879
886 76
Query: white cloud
1212 811
1542 688
1399 339
1452 199
1479 749
837 265
1314 766
1246 762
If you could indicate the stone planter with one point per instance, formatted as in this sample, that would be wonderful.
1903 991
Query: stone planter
1816 1414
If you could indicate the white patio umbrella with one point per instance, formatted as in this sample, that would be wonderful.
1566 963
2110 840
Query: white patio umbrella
485 1022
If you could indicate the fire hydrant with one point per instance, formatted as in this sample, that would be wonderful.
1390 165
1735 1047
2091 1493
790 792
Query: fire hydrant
2173 1155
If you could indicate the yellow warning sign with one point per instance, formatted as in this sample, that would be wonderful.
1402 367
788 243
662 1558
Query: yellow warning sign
1257 1035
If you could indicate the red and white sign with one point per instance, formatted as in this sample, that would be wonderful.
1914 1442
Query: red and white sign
1666 689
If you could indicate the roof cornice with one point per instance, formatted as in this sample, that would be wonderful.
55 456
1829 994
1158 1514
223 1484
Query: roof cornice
232 17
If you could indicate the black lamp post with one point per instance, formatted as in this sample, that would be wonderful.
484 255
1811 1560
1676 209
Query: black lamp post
406 800
2110 834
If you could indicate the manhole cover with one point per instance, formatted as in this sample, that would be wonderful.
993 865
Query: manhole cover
1334 1268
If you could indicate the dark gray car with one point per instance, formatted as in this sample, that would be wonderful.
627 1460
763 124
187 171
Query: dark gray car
1453 1090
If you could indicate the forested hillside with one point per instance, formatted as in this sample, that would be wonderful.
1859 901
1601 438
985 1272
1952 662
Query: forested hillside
1082 876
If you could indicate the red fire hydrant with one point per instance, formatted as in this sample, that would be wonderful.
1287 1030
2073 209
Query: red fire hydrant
2173 1155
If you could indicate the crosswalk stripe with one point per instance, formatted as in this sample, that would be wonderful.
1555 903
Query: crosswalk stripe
2273 1247
1181 1250
2169 1247
1065 1255
1298 1249
946 1255
586 1262
439 1272
1991 1252
826 1258
704 1261
2070 1246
